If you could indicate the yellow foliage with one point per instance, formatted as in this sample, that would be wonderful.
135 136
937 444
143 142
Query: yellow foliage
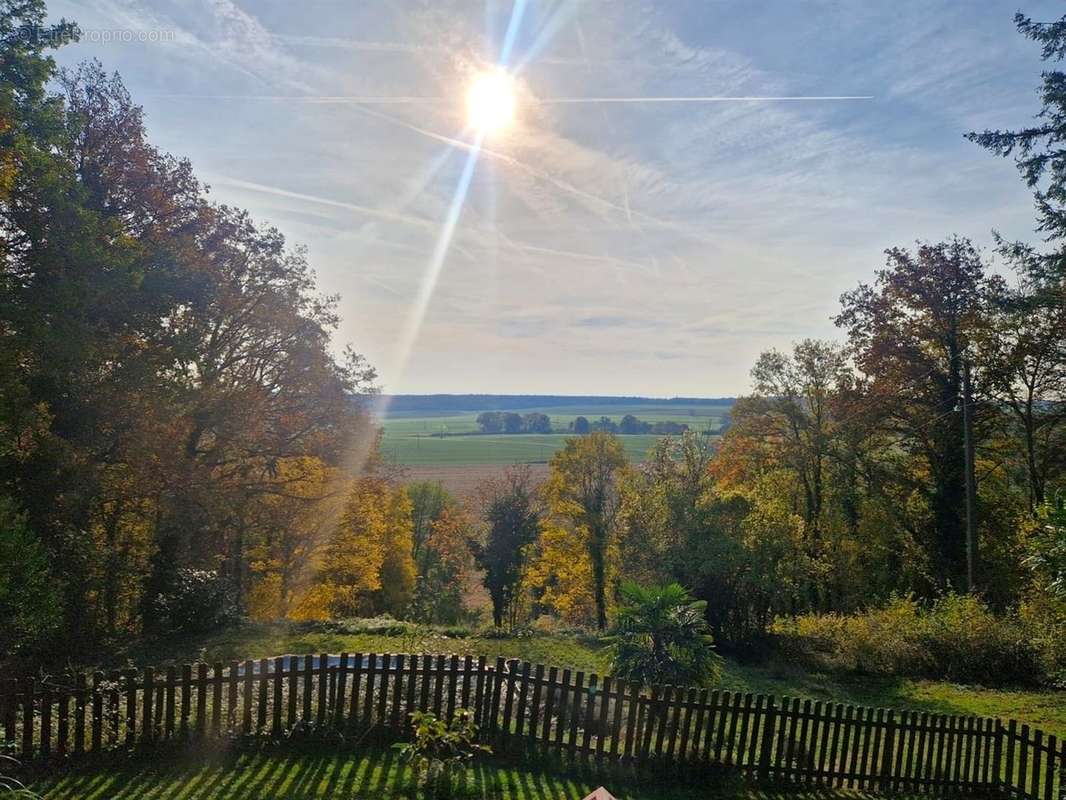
397 577
369 564
562 570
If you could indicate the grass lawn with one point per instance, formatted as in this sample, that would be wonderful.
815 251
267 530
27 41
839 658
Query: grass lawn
368 773
1043 709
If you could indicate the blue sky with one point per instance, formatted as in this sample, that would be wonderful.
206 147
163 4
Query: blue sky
602 248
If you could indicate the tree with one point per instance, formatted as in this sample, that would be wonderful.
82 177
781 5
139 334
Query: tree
910 335
631 425
512 423
660 636
369 564
429 501
490 421
444 568
790 412
582 490
163 358
398 571
513 519
535 422
1024 361
1037 148
581 426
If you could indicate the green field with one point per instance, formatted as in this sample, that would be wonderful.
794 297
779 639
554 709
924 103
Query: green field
415 438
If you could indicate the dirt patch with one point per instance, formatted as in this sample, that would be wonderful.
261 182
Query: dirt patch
463 480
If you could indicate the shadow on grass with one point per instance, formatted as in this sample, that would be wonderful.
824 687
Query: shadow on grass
373 772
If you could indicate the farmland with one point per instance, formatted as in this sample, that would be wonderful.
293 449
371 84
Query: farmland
451 438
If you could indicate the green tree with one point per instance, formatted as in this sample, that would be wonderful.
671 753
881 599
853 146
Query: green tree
512 517
1037 149
582 489
429 500
660 636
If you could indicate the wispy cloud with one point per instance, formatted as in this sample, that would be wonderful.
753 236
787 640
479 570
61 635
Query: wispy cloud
686 185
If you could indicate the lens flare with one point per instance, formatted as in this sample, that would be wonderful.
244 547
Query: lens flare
490 102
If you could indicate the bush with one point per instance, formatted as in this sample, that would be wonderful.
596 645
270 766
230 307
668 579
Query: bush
441 749
661 636
957 638
198 601
29 602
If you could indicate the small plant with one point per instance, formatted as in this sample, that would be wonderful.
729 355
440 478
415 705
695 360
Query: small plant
11 787
440 750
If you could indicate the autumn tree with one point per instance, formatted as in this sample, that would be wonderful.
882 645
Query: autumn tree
444 568
368 566
910 334
790 412
582 491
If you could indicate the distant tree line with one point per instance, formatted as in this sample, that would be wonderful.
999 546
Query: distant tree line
629 424
511 422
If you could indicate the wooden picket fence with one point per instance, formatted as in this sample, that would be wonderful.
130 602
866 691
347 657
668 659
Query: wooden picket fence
532 709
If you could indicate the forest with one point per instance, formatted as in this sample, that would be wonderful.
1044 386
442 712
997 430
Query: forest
181 447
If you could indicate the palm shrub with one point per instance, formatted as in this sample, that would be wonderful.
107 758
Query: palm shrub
661 636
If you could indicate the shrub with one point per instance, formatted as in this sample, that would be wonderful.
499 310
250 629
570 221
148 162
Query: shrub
198 601
440 750
29 601
661 636
957 638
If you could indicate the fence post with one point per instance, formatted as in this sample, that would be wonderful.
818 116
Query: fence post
147 718
886 760
492 712
766 746
997 756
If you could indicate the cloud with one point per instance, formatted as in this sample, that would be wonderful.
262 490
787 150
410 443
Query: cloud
647 247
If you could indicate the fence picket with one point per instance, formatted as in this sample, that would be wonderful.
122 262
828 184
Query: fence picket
397 694
216 699
602 730
534 706
507 698
147 719
201 700
523 691
453 685
79 714
594 719
588 716
131 707
560 714
353 703
62 721
634 701
1049 772
383 689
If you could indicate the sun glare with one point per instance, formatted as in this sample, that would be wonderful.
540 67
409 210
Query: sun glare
490 102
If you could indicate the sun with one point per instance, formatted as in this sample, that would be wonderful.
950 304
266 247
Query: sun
490 102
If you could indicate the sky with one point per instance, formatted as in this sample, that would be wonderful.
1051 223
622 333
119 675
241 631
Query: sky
651 245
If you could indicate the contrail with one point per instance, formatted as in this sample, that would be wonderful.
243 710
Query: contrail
706 99
400 100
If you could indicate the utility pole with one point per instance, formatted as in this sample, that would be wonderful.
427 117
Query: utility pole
971 478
